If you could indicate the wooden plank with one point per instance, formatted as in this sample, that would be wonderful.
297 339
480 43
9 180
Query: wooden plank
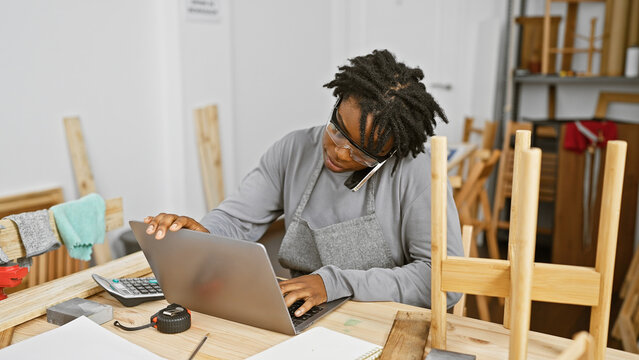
523 258
607 241
79 158
6 336
545 47
10 237
633 24
31 201
439 171
84 177
208 139
33 302
566 284
618 35
605 39
407 337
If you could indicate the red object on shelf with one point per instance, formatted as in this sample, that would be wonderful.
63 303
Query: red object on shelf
11 276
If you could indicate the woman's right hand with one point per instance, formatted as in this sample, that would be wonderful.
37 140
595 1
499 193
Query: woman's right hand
161 223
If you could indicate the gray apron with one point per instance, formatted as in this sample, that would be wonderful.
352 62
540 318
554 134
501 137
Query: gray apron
354 244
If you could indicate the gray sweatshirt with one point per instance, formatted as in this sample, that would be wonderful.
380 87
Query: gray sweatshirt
402 204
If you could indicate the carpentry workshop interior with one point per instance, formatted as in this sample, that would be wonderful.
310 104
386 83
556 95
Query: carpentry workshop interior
357 179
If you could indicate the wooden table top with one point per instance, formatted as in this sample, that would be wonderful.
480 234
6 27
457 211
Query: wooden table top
370 321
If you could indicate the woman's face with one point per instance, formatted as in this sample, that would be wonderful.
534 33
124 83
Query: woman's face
338 159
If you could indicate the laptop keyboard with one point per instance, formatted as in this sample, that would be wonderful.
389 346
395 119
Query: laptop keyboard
298 320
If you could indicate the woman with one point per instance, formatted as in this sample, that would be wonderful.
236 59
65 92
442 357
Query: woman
354 226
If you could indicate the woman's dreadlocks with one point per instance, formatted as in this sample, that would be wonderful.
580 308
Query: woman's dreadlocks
402 109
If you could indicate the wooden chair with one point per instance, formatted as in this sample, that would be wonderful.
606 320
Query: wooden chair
12 245
473 192
409 333
467 199
487 140
504 190
580 349
520 278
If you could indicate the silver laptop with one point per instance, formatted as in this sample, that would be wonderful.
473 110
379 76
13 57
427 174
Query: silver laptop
226 278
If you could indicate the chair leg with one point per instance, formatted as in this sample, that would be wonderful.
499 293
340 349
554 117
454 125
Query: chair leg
482 307
491 237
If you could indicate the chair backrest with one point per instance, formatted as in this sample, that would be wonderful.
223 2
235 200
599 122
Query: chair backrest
514 278
12 246
472 196
477 177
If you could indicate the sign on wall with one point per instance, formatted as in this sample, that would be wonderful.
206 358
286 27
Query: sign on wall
202 10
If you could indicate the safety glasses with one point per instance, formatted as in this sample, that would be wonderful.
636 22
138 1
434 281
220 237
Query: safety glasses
342 140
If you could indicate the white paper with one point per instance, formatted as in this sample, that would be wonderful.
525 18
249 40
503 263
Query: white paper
320 344
78 339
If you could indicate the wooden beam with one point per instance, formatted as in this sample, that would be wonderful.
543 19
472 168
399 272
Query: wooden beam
6 336
565 284
10 237
208 140
33 302
545 44
31 201
617 38
84 177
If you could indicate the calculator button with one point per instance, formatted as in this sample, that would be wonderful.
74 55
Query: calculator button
116 280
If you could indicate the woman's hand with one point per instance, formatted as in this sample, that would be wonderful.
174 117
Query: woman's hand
308 287
161 222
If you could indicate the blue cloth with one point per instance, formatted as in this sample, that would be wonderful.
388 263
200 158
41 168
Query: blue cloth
81 224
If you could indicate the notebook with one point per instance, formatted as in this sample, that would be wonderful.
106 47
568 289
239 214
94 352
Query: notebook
321 343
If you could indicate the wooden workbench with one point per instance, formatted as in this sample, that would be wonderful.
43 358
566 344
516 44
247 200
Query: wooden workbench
229 340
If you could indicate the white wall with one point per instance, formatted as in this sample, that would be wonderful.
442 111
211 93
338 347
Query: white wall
135 70
284 51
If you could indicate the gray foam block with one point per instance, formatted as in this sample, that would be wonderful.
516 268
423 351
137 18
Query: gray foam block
436 354
69 310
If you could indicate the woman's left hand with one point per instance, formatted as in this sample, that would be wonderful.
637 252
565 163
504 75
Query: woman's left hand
308 287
